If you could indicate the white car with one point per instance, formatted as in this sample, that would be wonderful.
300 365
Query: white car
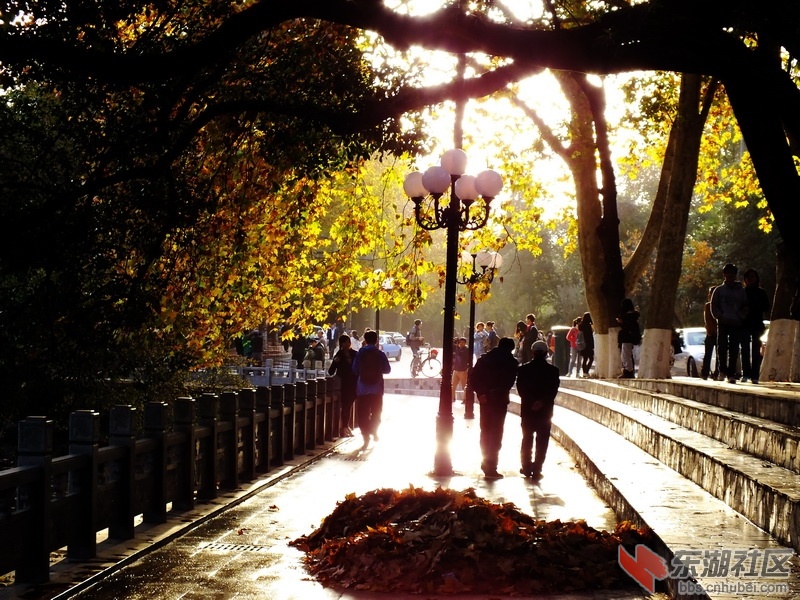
689 362
390 348
397 337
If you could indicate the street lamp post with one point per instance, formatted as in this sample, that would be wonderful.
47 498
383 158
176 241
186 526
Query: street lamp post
488 263
426 191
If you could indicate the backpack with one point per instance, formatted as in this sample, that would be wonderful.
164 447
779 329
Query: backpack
580 343
408 338
369 367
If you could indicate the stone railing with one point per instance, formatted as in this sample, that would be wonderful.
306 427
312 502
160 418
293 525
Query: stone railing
187 452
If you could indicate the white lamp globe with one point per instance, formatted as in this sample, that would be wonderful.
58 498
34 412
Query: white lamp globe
465 187
466 257
484 259
412 185
455 161
436 180
489 183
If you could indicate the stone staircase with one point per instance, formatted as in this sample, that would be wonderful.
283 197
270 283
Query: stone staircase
710 467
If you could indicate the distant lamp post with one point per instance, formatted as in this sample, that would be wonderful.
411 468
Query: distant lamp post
386 285
484 266
459 213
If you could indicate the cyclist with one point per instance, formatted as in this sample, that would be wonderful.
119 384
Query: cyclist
415 339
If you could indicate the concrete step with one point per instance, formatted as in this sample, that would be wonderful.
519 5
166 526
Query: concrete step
690 522
766 494
778 402
760 437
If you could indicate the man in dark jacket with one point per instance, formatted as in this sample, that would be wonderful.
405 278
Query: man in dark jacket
629 335
342 367
531 335
537 384
492 378
729 307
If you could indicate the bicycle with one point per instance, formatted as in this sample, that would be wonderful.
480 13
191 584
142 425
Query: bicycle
426 362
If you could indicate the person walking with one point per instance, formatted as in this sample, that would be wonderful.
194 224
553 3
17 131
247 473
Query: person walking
492 339
492 378
537 384
574 351
519 336
531 335
369 366
299 349
334 333
729 308
587 354
710 342
461 364
342 367
629 335
355 340
758 306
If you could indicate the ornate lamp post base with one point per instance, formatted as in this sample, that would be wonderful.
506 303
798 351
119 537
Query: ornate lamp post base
442 463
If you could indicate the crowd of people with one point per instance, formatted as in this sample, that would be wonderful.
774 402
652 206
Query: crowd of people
734 316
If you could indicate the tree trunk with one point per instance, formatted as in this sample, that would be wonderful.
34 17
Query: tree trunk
782 353
598 223
682 174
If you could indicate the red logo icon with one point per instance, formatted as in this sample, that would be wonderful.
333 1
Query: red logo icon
644 568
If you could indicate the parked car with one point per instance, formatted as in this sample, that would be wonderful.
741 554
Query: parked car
388 345
397 337
689 362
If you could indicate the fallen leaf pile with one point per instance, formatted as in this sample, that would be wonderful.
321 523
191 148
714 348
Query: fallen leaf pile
449 542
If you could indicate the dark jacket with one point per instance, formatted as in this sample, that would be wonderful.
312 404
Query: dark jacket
299 348
460 358
629 332
729 304
588 335
526 348
537 385
758 304
494 375
342 367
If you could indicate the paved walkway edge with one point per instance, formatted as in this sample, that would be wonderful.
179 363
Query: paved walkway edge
113 555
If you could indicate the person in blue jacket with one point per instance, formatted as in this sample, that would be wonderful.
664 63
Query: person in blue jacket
370 365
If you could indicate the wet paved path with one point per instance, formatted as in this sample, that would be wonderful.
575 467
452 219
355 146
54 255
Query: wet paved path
244 552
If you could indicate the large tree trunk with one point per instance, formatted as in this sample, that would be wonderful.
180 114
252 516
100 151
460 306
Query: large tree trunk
782 353
682 174
598 222
765 136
